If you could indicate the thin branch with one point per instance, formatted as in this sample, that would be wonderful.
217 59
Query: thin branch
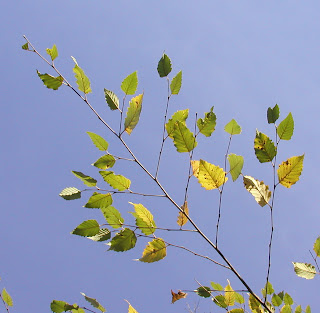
315 260
128 192
154 227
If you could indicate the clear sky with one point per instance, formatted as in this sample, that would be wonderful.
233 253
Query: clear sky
240 57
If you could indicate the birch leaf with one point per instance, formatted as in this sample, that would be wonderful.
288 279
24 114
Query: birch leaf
289 171
182 219
258 189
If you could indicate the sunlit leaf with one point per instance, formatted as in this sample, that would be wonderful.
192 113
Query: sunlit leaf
131 308
233 128
268 289
112 99
130 84
183 138
316 247
103 235
51 82
258 189
98 141
237 310
53 52
238 298
144 219
57 306
87 180
87 228
308 309
195 167
236 165
276 300
175 85
286 309
6 297
229 295
82 80
264 148
113 216
178 296
164 66
207 125
70 193
287 299
204 291
254 304
99 200
219 300
289 171
285 128
133 114
94 303
304 270
182 219
216 286
298 309
155 251
181 116
118 182
273 114
105 162
123 241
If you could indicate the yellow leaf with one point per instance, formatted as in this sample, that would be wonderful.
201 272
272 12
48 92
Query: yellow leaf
154 251
131 309
211 176
195 167
178 296
289 171
258 189
182 219
229 295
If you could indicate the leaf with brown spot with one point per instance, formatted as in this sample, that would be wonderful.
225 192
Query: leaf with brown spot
182 219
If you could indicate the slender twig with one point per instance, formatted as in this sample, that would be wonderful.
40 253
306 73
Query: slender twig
156 228
315 260
121 114
128 192
88 309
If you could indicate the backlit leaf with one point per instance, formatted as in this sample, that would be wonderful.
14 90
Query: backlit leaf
237 310
207 125
87 228
258 189
233 128
144 219
164 66
276 300
70 193
308 309
51 82
273 114
268 289
133 113
178 296
131 309
304 270
204 291
236 165
216 286
182 219
103 235
286 309
105 162
25 46
316 247
99 200
285 128
94 303
118 182
229 295
123 241
53 52
87 180
287 299
112 99
181 116
254 304
154 251
289 171
264 148
195 167
6 297
113 216
82 80
219 300
238 298
57 306
183 138
130 84
175 85
298 309
98 141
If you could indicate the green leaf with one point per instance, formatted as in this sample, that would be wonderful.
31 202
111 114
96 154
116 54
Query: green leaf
289 171
308 309
286 309
229 295
123 241
113 216
51 82
82 80
298 309
105 162
175 85
219 300
181 116
285 128
87 180
276 300
118 182
6 297
233 128
103 235
204 291
183 138
112 99
273 114
144 219
304 270
130 84
207 125
287 299
258 189
25 46
264 148
316 247
94 303
164 66
57 306
98 141
216 286
133 113
87 228
238 310
254 304
98 201
238 298
268 289
154 251
236 165
210 176
70 193
53 52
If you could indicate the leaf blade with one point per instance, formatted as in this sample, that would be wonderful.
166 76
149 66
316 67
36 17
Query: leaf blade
155 251
82 80
164 66
176 82
289 171
133 114
130 84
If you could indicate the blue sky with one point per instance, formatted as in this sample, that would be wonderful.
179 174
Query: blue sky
240 57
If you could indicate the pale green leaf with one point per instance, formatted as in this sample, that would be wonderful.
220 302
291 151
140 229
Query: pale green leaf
103 235
123 241
98 201
118 182
130 84
154 251
285 128
304 270
51 82
236 165
216 286
113 216
298 309
287 299
70 193
94 303
105 162
207 125
87 180
273 114
183 138
289 171
164 66
133 113
237 310
268 289
229 295
258 189
82 80
238 298
316 247
87 228
176 82
254 305
6 297
308 309
144 219
112 99
98 141
264 148
276 300
53 52
57 306
233 128
286 309
181 116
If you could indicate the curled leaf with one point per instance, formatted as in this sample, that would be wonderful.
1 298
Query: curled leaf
178 296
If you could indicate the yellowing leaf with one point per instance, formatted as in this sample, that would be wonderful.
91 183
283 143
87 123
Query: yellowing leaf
254 304
182 219
195 167
133 113
289 171
82 80
131 309
6 297
154 251
178 296
229 296
258 189
304 270
144 219
181 116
